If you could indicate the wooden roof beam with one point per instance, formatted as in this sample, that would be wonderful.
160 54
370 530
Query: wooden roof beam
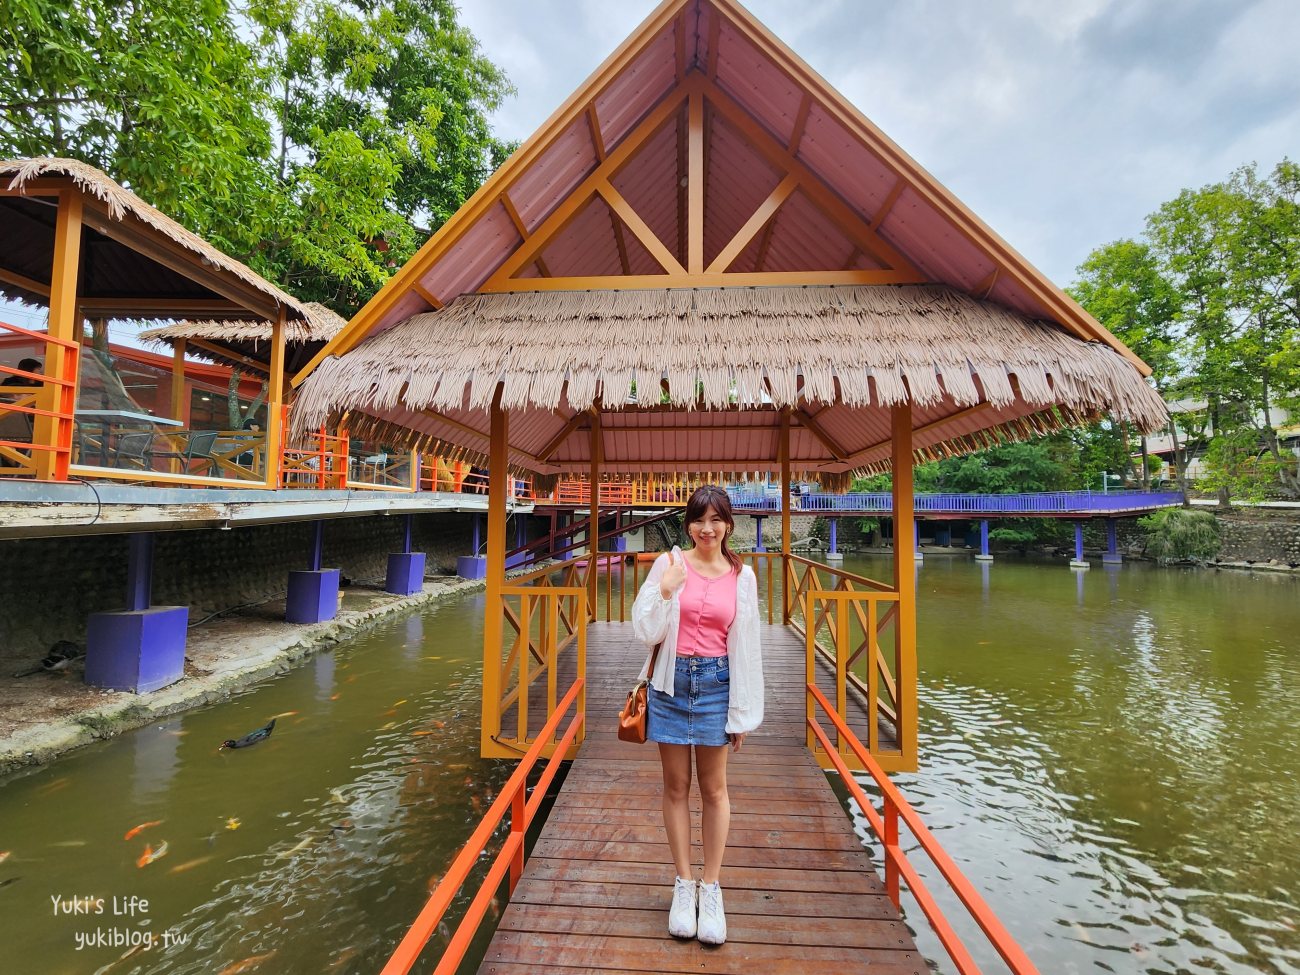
852 223
639 228
754 225
573 204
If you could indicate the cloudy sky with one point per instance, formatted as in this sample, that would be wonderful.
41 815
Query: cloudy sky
1062 124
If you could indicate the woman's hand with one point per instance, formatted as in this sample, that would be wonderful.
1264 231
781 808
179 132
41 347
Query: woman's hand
737 741
674 578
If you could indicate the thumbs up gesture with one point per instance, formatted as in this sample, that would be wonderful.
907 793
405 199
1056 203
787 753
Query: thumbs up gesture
674 577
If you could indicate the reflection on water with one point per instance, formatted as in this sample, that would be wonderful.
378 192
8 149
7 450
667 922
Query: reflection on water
311 851
1111 757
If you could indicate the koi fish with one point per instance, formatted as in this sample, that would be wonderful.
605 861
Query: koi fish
337 795
432 658
4 855
285 854
135 831
285 714
335 697
151 854
70 843
248 964
400 703
233 823
417 734
440 725
189 865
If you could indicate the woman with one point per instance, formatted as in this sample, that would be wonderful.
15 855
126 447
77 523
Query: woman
706 693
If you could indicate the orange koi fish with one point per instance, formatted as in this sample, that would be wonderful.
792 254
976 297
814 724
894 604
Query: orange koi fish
248 964
137 830
151 854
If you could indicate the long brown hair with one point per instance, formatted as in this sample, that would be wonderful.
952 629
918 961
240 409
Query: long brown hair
711 496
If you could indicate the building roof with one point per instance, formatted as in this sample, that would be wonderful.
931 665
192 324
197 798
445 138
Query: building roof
707 217
237 342
143 265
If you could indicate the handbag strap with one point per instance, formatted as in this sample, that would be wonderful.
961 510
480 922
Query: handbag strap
654 656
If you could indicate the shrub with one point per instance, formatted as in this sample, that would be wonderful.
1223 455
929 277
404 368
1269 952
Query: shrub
1180 535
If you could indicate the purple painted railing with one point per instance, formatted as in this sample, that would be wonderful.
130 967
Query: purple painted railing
1049 503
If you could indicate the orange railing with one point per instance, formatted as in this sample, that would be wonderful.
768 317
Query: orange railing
459 478
510 858
321 462
50 394
647 492
885 824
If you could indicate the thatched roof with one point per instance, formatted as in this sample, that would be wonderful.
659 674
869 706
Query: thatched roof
975 372
320 325
251 339
118 205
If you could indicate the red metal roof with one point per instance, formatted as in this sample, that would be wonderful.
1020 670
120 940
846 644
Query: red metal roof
791 111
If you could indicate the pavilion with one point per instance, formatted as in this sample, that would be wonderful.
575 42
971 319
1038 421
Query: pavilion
707 260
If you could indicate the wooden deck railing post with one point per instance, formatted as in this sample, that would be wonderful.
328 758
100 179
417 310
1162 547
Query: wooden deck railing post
787 597
904 582
891 850
498 458
593 529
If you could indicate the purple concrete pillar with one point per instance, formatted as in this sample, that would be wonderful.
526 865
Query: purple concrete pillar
139 571
758 534
1078 562
834 524
405 568
1112 556
317 545
917 554
472 566
984 555
475 548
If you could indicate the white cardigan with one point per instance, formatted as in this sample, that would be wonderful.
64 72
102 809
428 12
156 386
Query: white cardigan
655 619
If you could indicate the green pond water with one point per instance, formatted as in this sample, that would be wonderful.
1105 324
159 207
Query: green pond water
1110 756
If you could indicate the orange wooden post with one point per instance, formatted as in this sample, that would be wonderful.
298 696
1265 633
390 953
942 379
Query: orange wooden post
275 424
63 324
498 457
593 530
787 607
321 473
904 583
892 851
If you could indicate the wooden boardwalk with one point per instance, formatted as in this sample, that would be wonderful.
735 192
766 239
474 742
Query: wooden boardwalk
801 892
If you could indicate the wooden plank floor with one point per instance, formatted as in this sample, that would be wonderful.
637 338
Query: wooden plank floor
801 893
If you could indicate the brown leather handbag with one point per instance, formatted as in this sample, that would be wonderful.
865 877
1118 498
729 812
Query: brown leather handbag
632 719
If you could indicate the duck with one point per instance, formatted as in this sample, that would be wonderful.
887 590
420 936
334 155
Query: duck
252 738
59 659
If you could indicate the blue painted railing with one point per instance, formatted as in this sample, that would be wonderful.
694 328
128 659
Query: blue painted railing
1048 503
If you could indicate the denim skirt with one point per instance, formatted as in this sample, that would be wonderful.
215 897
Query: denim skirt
696 713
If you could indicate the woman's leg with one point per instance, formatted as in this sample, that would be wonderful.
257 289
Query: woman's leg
676 760
711 765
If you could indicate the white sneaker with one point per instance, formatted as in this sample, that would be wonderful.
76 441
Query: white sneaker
681 916
713 922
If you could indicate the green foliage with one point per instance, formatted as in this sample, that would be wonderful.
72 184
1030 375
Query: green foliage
1238 463
1180 535
315 141
1210 298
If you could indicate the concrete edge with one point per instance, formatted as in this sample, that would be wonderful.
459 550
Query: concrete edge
125 712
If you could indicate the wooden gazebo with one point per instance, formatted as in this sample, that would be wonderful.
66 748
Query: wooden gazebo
708 261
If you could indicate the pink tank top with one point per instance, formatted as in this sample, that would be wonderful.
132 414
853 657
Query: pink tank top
708 607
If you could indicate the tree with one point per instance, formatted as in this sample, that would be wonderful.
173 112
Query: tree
381 112
1180 535
1122 286
163 96
318 143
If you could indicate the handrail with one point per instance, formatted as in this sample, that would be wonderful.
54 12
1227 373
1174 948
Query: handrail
509 858
42 394
885 826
